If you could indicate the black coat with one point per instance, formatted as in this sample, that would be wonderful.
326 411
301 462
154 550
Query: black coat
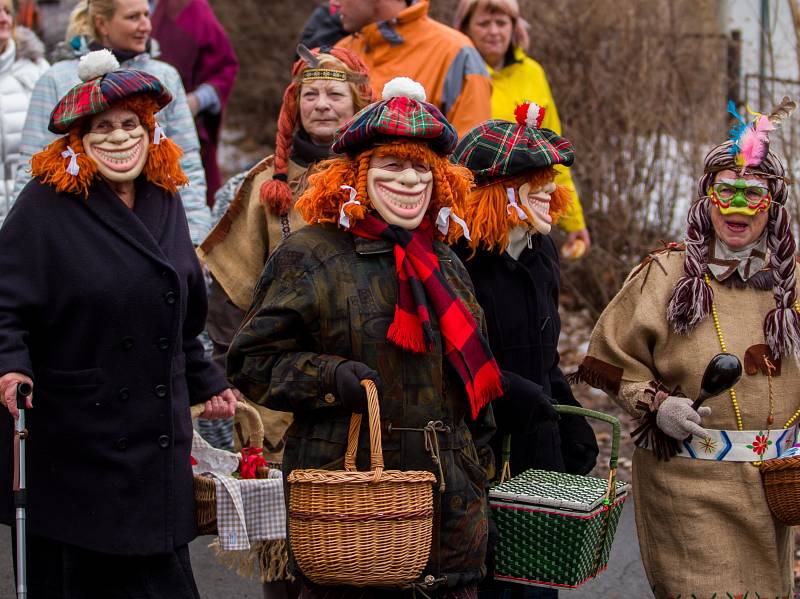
102 306
520 300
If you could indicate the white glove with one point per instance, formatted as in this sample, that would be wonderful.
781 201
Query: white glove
677 419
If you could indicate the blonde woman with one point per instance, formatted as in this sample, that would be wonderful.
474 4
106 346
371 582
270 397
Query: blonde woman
21 63
500 34
123 27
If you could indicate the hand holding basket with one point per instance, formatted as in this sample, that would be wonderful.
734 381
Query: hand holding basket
205 493
361 528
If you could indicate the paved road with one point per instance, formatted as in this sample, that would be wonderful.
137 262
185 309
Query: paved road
624 577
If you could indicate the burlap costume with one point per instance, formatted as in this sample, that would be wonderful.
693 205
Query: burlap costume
235 253
704 526
236 249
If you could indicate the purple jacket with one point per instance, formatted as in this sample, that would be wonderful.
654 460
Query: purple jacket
193 41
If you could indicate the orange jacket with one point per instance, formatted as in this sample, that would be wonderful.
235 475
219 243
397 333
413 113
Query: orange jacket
442 59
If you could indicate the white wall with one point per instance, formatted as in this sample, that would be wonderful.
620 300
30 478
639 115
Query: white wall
745 15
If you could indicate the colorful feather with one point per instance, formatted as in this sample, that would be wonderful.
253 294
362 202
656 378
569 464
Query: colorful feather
754 142
738 130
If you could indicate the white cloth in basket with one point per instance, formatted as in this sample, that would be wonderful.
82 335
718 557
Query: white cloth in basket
248 510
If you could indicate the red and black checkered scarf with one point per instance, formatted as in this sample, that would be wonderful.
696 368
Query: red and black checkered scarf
421 281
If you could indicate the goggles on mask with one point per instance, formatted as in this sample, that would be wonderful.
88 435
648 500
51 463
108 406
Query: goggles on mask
740 196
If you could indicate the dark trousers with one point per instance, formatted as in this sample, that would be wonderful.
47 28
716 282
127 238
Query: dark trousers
60 571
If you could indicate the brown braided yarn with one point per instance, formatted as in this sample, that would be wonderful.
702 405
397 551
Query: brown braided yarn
782 324
361 528
691 299
275 194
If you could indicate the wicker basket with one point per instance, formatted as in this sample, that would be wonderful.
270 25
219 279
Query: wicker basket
205 491
556 529
361 528
781 477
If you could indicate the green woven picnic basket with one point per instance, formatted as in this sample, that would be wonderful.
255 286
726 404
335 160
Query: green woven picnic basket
556 529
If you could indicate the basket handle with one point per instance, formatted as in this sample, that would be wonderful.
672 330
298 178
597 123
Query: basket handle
376 453
611 490
246 411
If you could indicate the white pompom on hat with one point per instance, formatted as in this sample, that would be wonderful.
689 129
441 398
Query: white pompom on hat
96 64
404 87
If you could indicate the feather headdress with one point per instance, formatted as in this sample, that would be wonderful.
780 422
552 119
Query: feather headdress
750 141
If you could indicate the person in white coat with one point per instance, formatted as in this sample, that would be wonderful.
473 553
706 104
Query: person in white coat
21 63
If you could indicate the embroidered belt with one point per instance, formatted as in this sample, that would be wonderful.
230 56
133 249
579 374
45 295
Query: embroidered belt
739 446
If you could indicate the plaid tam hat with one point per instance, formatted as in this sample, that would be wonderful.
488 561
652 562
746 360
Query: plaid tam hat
403 112
501 149
102 86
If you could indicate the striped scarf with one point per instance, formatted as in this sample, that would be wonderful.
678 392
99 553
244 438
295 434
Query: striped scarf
420 281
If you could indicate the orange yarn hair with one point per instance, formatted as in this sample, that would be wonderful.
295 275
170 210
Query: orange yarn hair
324 197
486 209
163 160
275 194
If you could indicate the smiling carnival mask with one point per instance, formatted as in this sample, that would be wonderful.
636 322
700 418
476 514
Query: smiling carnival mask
399 189
117 143
537 200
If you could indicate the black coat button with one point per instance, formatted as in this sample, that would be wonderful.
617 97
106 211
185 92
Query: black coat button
163 343
121 444
127 343
170 297
124 394
161 391
163 441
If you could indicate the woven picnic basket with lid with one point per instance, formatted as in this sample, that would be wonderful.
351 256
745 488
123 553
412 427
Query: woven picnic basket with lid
361 528
556 529
205 491
781 478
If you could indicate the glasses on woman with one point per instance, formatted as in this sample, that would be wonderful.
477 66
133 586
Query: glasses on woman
741 194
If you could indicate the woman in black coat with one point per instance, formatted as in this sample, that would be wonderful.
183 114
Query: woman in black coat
513 264
101 302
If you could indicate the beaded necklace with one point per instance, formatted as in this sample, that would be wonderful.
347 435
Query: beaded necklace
732 392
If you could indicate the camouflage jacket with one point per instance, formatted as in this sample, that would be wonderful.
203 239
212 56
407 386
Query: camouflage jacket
327 296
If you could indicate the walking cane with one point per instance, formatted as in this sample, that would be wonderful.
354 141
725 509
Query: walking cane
20 434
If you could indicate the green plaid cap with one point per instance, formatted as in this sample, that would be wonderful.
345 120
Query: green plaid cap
501 149
396 117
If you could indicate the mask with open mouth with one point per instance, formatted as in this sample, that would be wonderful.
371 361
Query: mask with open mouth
117 143
538 203
399 189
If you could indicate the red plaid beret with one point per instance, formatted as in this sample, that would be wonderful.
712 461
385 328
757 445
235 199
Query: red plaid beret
97 95
498 149
396 116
